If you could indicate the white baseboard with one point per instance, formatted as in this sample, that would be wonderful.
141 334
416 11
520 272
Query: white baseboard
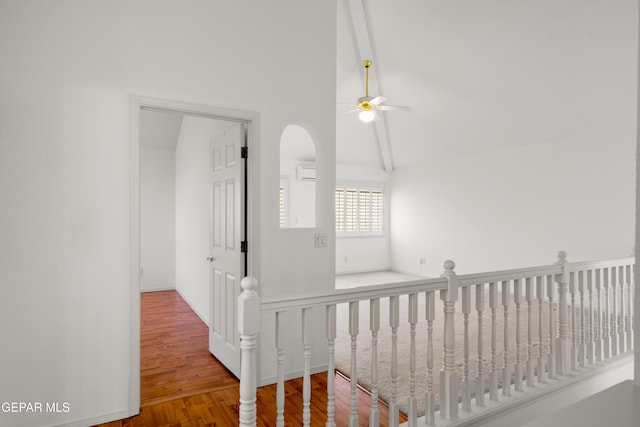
361 271
114 416
167 288
204 319
292 375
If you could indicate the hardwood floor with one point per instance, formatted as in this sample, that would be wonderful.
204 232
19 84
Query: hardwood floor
182 384
174 354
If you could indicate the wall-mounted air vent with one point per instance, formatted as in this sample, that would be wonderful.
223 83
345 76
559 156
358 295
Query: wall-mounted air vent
306 173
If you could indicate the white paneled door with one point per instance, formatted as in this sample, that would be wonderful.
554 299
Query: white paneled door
227 245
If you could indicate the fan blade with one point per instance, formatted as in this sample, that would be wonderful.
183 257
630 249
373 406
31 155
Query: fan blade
377 100
350 111
393 107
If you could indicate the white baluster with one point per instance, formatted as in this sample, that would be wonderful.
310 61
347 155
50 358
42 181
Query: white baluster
354 329
412 415
563 343
552 332
506 371
614 312
620 317
466 390
449 378
583 332
627 314
634 305
306 378
394 322
248 327
598 326
430 314
331 376
622 335
606 330
481 375
574 326
591 348
517 297
493 374
532 360
280 336
542 375
374 322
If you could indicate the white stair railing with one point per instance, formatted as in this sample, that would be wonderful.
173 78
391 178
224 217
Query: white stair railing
354 326
449 377
430 402
249 327
559 335
331 340
394 323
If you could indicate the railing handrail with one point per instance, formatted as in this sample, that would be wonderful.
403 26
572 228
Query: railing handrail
338 296
501 275
607 263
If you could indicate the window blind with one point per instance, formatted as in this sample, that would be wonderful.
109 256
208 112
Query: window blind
359 210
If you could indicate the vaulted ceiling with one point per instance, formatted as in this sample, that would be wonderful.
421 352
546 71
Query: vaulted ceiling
485 75
479 75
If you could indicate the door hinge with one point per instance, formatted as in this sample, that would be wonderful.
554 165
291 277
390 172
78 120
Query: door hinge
244 152
243 246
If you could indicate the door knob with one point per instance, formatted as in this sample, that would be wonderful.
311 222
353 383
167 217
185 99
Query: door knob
210 258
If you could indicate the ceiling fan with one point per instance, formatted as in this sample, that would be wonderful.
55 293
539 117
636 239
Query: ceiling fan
368 105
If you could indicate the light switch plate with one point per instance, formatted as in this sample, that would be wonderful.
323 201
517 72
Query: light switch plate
321 240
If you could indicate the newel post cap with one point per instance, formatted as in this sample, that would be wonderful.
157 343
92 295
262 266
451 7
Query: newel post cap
562 257
452 290
249 307
562 278
249 284
449 266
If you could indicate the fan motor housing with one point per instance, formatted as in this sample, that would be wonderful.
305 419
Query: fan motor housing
365 103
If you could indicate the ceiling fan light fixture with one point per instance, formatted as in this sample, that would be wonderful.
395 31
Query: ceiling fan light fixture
368 105
367 116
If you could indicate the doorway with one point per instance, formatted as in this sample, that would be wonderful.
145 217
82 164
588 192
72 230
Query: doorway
198 263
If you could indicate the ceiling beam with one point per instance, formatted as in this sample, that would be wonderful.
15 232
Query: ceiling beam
361 31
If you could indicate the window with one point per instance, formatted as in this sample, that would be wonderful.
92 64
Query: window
359 210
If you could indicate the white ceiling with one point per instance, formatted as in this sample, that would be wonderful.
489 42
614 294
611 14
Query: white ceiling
479 75
487 75
160 129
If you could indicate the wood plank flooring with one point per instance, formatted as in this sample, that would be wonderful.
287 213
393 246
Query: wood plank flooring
182 384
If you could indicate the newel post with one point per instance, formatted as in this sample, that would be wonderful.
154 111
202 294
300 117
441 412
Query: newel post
449 377
248 326
563 342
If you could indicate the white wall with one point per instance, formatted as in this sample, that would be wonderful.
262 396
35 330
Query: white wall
157 219
301 198
361 254
636 271
297 148
193 213
514 208
529 142
68 70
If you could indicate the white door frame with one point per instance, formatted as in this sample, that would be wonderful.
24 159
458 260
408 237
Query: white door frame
137 103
